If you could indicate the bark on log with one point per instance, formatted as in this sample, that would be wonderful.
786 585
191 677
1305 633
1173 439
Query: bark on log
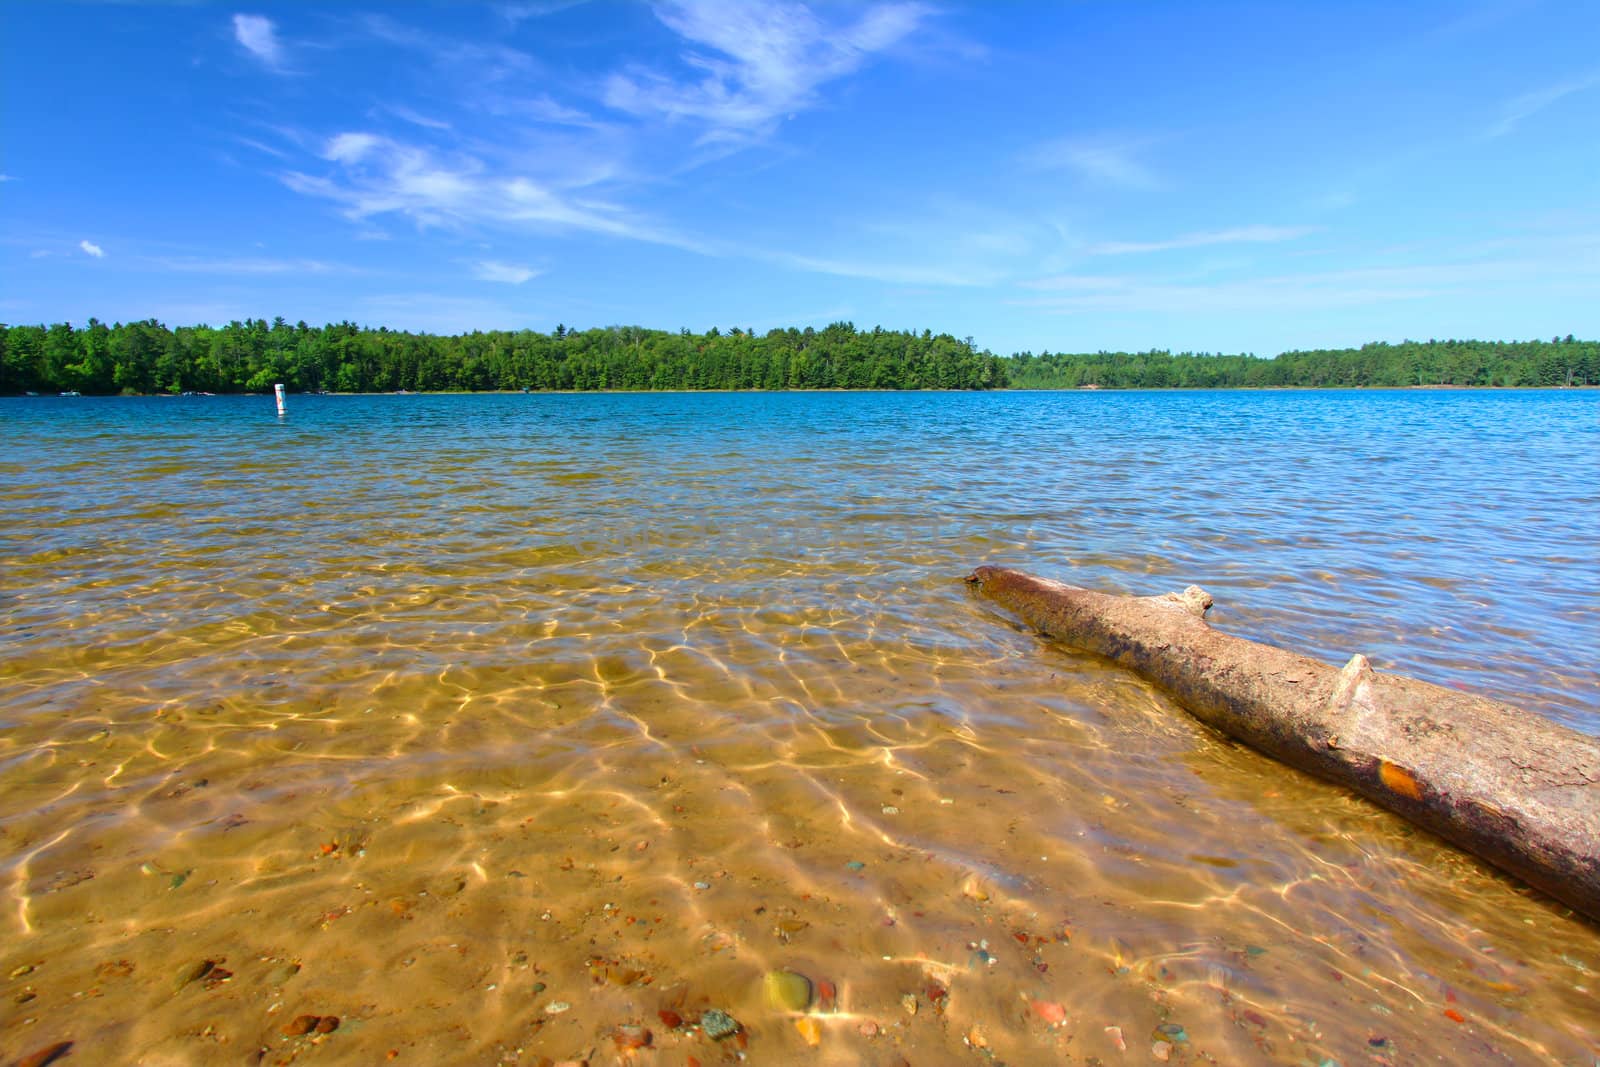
1514 788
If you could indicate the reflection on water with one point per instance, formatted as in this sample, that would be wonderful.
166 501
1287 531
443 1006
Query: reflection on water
484 726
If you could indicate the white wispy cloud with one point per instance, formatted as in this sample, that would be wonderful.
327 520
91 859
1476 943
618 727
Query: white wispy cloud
1075 294
351 147
877 271
7 178
483 63
541 108
491 271
1076 283
415 118
1237 235
552 165
1531 103
529 9
1106 162
259 36
374 176
266 149
245 265
92 249
756 61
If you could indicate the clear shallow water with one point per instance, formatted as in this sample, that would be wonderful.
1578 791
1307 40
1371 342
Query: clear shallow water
434 713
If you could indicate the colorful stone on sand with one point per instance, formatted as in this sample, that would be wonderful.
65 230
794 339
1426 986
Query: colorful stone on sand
810 1030
788 991
47 1055
718 1024
628 1038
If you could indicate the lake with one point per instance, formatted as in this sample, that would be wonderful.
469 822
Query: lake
489 724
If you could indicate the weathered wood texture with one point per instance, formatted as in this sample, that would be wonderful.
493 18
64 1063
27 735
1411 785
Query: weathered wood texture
1516 789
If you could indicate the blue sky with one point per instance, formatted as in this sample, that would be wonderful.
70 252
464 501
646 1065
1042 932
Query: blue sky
1066 176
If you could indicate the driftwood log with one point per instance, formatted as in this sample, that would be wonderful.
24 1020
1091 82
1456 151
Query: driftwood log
1514 788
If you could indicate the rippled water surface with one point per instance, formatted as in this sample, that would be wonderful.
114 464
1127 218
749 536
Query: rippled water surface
488 725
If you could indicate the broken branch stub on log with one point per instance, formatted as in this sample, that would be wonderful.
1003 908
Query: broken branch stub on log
1514 788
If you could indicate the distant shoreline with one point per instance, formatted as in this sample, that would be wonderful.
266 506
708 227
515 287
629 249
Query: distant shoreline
149 357
775 392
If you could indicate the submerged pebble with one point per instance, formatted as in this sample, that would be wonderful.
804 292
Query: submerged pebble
827 996
194 972
788 991
282 973
48 1054
628 1038
810 1030
718 1024
1171 1032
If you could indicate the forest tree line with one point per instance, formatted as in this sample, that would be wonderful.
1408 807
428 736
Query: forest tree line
251 356
1559 361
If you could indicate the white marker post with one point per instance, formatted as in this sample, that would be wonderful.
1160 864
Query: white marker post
278 392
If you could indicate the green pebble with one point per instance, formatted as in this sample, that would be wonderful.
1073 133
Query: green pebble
718 1024
282 972
194 972
855 865
787 991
